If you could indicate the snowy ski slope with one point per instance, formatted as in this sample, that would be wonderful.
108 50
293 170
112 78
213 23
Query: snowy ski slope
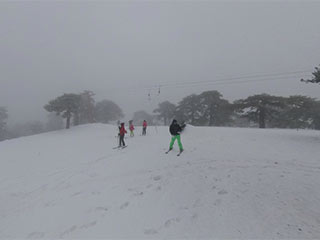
229 183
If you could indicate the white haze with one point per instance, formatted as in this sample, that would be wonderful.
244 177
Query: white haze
121 50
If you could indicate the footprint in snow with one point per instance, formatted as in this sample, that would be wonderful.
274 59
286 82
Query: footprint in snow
123 206
171 221
157 178
222 192
76 194
99 159
136 194
36 235
103 209
70 230
88 225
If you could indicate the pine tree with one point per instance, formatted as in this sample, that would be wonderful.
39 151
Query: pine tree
189 109
260 108
87 107
215 111
298 112
54 122
316 77
67 106
316 115
3 122
106 111
166 111
139 116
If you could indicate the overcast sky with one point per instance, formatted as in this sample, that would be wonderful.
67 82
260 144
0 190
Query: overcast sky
123 51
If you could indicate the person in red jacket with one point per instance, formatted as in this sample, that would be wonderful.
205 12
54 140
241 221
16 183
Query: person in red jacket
131 128
144 127
122 132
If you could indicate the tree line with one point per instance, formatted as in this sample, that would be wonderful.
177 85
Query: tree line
206 109
76 109
262 110
82 109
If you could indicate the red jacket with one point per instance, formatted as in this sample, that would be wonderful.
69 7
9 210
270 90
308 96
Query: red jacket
131 127
144 124
122 131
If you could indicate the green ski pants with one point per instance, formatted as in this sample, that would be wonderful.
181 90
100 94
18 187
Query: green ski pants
173 139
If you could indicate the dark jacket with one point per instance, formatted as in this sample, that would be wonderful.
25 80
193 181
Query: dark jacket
175 129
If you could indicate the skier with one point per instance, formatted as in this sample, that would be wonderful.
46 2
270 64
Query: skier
175 130
131 128
144 127
122 132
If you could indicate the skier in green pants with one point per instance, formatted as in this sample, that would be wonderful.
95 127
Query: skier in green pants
175 131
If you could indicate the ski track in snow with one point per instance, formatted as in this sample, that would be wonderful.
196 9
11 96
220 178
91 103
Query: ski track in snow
229 183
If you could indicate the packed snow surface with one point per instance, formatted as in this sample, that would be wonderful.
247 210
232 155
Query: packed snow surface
228 183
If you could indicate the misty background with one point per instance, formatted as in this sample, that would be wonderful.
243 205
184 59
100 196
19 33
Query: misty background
139 54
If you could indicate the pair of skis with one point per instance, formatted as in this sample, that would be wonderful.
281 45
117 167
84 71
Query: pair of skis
120 147
177 154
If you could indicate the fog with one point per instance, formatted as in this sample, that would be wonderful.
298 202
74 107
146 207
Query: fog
127 51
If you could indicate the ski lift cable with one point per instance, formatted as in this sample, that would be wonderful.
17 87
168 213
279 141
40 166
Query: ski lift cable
207 83
264 77
133 91
231 80
238 78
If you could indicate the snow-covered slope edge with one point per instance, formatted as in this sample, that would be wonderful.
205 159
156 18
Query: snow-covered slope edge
229 183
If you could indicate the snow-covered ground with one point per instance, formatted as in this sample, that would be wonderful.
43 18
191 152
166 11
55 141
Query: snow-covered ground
229 183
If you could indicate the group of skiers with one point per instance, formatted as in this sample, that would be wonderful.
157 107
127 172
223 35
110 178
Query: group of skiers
175 130
123 131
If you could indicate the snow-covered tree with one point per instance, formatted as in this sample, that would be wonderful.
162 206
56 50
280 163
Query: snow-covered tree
260 108
298 112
